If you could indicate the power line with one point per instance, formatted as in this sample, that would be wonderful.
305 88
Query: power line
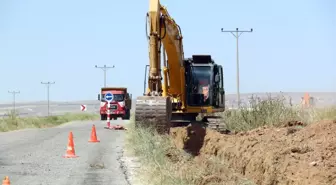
237 33
104 68
48 86
14 95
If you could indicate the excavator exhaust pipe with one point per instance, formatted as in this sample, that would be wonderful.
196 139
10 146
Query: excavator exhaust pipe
145 79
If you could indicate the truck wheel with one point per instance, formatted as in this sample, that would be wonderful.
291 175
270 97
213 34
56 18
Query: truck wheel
103 117
127 115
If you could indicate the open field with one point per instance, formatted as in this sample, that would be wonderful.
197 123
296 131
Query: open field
322 99
28 109
270 143
15 122
35 114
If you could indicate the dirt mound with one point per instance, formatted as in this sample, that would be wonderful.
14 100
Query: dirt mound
290 155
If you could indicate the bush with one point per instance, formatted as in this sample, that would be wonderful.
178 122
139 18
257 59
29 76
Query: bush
14 122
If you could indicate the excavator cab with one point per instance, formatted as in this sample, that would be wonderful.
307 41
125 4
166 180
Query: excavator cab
204 82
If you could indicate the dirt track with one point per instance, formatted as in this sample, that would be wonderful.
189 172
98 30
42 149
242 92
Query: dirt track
293 154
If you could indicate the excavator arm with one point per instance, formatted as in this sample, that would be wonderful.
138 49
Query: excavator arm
155 107
154 80
163 31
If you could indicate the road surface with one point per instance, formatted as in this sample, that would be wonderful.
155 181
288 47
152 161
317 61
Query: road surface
34 156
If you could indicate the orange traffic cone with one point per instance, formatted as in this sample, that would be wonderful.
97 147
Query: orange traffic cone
93 138
70 152
6 181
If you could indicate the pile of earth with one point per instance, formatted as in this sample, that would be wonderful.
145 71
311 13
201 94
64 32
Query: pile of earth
293 154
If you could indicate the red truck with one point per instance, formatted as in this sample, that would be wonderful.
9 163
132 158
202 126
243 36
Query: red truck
119 107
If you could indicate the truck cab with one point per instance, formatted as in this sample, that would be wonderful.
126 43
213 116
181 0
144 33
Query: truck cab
120 106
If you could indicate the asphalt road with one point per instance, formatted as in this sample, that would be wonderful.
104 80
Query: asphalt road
34 156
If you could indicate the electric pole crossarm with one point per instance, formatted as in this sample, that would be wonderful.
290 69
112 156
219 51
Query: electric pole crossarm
237 30
104 68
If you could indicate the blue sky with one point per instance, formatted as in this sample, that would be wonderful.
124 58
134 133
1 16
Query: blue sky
292 48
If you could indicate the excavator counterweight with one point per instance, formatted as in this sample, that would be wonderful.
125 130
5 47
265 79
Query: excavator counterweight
179 89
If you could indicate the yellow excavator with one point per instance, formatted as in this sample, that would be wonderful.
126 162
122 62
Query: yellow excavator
191 86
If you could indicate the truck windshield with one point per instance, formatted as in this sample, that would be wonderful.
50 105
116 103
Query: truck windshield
116 97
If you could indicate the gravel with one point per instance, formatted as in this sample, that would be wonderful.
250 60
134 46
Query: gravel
34 156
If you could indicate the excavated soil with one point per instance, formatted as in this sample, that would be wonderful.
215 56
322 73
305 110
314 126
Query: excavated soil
293 155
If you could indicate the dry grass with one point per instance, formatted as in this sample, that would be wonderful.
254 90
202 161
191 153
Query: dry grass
163 163
14 122
273 111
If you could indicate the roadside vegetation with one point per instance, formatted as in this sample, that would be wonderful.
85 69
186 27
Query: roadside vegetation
14 122
163 163
273 111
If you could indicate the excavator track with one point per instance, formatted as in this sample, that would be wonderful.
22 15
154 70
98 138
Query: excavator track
216 123
153 111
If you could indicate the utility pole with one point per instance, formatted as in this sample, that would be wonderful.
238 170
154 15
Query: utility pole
236 33
14 94
104 68
48 86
